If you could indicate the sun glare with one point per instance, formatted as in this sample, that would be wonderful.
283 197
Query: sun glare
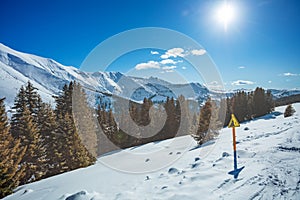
225 14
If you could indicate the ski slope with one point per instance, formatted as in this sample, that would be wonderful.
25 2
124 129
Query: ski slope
177 169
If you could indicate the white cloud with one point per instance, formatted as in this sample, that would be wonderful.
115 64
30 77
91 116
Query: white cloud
175 52
169 70
180 52
168 61
154 52
289 74
269 81
242 82
215 85
149 65
242 67
198 52
183 67
169 67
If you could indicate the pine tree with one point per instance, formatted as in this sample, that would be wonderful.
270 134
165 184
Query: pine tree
269 102
289 111
194 125
11 154
224 113
50 140
73 153
259 102
30 138
144 113
19 105
214 124
171 126
64 101
240 105
250 106
33 100
184 119
202 134
84 119
25 127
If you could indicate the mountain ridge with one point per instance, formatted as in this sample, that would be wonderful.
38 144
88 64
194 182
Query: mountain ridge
49 77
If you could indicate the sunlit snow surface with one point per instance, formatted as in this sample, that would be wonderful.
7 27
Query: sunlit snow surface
269 150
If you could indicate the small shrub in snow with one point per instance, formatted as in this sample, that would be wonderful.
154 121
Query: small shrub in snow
289 111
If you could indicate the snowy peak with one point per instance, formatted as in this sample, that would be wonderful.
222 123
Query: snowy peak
50 76
284 93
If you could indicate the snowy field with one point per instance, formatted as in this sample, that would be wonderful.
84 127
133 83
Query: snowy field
177 169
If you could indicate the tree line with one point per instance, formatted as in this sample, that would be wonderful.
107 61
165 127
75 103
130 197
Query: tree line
245 106
180 119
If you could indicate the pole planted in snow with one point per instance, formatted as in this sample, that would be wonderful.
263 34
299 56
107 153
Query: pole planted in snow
232 124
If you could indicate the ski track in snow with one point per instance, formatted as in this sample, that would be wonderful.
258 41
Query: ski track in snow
269 150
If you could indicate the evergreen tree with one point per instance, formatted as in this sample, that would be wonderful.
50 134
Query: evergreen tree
64 101
240 105
215 124
30 138
289 111
269 102
194 125
184 119
19 106
25 127
225 111
84 119
262 102
171 125
259 105
202 134
33 100
250 106
50 139
144 113
11 154
73 153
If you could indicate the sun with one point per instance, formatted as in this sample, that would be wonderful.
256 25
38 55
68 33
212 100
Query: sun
225 14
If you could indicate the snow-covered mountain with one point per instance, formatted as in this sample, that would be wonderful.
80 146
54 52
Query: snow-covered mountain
268 147
284 93
49 77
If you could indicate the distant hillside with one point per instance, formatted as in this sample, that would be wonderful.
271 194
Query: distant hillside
287 100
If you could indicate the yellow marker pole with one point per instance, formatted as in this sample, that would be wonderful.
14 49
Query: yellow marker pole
234 140
232 124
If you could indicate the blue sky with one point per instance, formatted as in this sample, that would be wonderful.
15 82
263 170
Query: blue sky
260 47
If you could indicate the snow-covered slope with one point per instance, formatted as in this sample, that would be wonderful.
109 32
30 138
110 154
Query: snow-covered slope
269 150
284 93
49 77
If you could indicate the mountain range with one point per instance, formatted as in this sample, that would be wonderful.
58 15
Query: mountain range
49 77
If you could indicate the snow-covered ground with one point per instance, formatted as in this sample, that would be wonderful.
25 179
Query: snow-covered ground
269 150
